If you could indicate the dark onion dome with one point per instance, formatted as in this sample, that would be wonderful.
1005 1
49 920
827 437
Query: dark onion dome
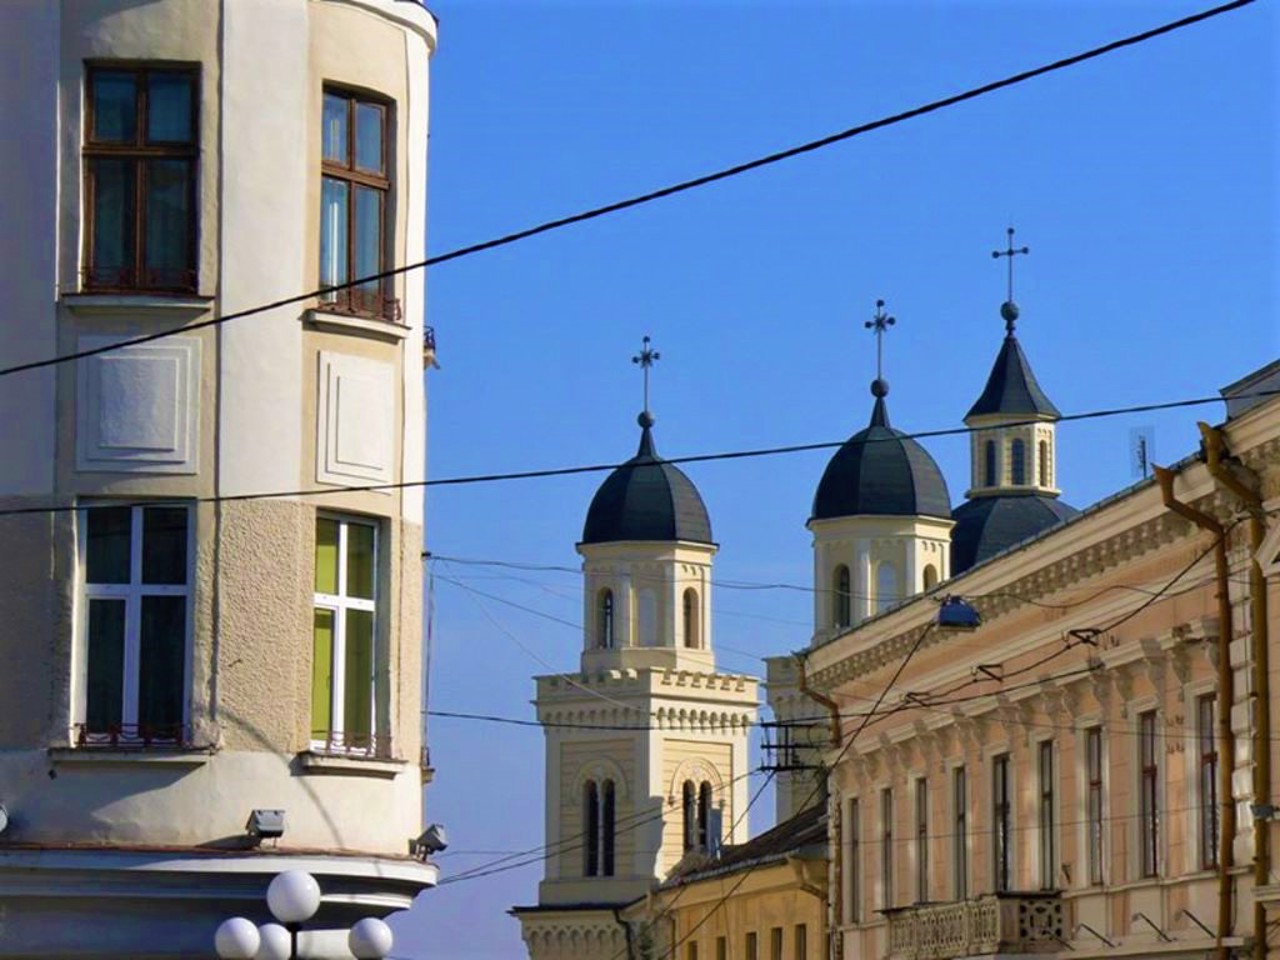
987 525
1012 388
881 471
647 499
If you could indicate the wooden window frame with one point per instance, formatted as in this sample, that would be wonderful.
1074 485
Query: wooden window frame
1001 824
382 305
1207 753
140 151
1148 796
853 864
1047 821
922 840
886 848
960 832
1095 797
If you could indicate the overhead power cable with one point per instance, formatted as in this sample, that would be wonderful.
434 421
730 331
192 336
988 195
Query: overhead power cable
653 195
602 467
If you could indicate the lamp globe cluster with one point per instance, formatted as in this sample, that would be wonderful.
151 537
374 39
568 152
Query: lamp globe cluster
293 898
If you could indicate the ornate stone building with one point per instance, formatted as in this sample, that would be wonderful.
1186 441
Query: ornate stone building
646 743
179 650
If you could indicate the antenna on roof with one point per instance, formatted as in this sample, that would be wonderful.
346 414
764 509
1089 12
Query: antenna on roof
1142 450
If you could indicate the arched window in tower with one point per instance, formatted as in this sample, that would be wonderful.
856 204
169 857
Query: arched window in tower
692 637
591 828
689 812
1044 463
1018 462
598 819
704 816
841 607
930 576
605 620
886 586
607 820
989 478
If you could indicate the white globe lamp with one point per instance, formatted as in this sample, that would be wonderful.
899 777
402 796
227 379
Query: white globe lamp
236 939
293 896
370 939
276 943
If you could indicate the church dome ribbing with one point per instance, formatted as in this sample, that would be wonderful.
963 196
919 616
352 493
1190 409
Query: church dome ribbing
647 499
881 471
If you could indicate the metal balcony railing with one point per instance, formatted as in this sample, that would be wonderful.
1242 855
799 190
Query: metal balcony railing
134 736
1032 922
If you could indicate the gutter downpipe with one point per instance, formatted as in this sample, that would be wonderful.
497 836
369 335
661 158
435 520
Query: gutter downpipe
835 904
1226 695
626 932
1215 448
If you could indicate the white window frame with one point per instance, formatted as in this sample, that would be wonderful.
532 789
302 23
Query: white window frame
339 604
131 593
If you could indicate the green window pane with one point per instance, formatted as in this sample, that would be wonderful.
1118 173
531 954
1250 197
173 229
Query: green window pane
115 106
169 108
161 658
113 184
322 675
326 556
334 133
107 545
104 686
368 237
357 713
167 257
360 561
369 126
333 232
164 545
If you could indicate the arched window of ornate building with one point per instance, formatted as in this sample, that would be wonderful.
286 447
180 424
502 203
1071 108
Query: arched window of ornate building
691 624
886 586
1044 463
1018 462
604 629
989 473
704 816
841 608
930 576
689 810
598 818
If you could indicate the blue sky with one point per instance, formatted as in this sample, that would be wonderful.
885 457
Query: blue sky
1144 183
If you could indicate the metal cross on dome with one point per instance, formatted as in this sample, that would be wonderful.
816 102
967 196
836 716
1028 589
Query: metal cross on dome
880 323
645 358
1010 252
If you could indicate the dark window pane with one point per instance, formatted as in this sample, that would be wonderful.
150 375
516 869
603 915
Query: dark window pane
368 239
164 545
360 561
104 686
358 678
115 99
168 213
107 545
369 126
169 108
113 185
161 656
335 134
333 232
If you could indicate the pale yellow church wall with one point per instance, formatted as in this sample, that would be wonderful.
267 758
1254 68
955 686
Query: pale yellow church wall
681 758
579 761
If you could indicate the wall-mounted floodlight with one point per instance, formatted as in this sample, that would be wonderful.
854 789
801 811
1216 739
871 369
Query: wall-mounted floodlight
1264 811
956 613
431 840
265 824
4 818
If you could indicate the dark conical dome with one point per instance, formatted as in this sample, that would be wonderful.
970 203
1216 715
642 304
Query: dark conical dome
1012 388
987 525
647 499
881 470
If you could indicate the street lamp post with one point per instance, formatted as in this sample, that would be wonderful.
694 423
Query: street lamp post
293 898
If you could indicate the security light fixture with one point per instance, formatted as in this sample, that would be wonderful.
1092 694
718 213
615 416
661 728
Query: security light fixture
431 840
956 613
265 824
4 818
1264 811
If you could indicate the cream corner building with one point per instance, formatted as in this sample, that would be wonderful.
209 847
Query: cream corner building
174 663
646 743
